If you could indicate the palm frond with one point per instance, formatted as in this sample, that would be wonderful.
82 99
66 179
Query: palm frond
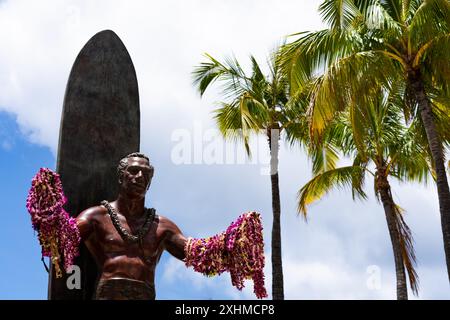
339 14
406 8
407 248
394 8
324 158
358 123
441 112
236 122
322 183
228 118
434 60
234 81
381 15
297 130
257 74
301 59
340 135
410 157
358 182
431 20
252 103
293 117
350 81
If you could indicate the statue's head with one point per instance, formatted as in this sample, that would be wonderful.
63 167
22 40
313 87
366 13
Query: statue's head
135 174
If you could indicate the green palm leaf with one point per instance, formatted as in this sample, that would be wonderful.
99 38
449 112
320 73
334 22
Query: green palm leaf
317 187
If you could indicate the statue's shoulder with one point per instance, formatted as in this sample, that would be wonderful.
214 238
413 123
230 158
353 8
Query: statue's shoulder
93 213
162 220
166 224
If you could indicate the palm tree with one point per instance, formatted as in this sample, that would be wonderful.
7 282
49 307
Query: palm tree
382 142
257 104
402 43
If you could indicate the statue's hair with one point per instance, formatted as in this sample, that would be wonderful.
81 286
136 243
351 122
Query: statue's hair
123 163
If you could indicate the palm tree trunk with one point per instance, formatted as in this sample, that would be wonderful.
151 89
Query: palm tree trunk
277 267
435 145
384 190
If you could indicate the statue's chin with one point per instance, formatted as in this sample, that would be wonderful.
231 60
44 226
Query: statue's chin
137 196
134 195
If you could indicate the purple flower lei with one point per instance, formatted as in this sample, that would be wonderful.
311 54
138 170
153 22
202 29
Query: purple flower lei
58 233
239 250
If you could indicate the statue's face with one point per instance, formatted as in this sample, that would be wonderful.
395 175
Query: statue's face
136 178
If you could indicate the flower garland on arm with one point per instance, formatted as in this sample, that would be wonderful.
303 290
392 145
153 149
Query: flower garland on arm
239 250
58 233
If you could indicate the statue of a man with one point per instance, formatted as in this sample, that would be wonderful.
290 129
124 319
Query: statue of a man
126 239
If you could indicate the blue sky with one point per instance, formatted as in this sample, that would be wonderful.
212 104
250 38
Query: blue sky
19 250
330 257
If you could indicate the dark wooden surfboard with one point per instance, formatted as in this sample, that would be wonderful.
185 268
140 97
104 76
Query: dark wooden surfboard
100 124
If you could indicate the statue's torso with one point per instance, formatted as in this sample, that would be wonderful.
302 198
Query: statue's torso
117 258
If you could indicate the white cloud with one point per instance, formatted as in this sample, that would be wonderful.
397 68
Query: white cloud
40 41
174 272
316 280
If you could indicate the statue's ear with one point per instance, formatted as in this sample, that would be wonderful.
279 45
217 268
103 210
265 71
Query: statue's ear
151 178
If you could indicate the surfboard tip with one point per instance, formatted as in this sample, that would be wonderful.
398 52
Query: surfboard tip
106 33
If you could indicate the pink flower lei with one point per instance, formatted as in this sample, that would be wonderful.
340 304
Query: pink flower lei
239 250
58 233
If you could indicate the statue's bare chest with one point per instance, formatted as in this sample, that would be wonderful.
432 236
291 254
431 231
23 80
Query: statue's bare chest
113 244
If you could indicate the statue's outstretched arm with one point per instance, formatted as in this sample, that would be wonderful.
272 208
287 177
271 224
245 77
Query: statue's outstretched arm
175 241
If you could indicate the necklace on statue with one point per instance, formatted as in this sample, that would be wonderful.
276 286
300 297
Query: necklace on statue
127 236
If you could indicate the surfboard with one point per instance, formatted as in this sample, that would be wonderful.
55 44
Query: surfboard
100 124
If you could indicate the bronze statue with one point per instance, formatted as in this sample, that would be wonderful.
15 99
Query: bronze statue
125 238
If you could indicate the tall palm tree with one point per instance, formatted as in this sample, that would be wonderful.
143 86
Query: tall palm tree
385 148
405 43
257 104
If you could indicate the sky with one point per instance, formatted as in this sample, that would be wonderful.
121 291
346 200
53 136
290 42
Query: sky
342 252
